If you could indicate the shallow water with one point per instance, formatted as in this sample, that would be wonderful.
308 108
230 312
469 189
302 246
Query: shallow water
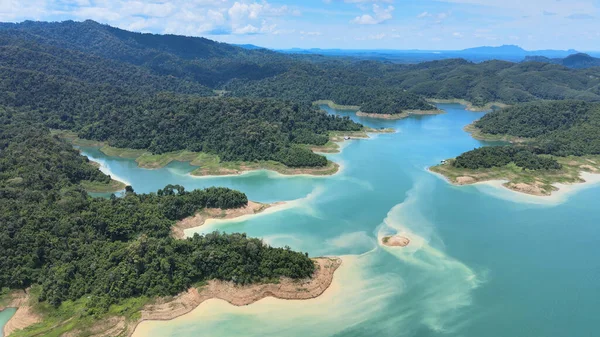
5 315
482 261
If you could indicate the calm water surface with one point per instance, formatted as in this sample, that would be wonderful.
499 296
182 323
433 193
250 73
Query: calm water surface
482 262
5 315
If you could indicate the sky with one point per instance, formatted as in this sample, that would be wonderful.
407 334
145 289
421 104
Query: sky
346 24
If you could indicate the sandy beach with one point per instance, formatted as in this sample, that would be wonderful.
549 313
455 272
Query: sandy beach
500 189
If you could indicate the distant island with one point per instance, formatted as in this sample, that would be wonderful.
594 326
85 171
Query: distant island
552 143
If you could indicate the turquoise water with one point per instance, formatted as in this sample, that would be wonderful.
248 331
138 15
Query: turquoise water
5 315
482 261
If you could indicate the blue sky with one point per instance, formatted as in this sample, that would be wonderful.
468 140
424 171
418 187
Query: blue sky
348 24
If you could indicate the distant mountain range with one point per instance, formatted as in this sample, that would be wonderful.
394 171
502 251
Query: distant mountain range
511 53
577 61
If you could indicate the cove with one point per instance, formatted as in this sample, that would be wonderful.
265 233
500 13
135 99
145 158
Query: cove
481 262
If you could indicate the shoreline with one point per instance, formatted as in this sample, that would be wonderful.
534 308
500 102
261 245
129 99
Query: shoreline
286 289
402 115
535 190
168 308
23 316
246 167
207 164
477 134
207 214
336 106
469 106
338 137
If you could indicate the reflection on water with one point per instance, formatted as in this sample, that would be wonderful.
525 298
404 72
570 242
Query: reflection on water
479 263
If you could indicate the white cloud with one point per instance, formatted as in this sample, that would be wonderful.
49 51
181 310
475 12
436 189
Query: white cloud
379 15
197 17
248 29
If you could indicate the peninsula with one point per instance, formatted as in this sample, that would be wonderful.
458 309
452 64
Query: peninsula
552 143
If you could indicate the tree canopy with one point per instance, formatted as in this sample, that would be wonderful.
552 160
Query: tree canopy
54 235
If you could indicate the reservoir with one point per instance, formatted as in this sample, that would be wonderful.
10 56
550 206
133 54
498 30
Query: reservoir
483 260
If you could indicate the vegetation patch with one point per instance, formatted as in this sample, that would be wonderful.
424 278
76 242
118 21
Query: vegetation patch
480 135
102 187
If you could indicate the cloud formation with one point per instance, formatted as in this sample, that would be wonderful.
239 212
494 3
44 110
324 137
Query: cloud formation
451 24
379 15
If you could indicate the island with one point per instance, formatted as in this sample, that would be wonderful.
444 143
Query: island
395 241
540 155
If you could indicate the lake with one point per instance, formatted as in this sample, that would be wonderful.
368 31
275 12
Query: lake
483 261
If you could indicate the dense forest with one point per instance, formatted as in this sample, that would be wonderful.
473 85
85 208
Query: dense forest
498 156
73 245
128 107
559 128
261 73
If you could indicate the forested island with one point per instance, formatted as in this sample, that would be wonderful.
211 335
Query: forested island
556 141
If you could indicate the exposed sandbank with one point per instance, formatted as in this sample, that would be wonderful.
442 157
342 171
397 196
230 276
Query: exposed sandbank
402 115
395 241
23 317
178 230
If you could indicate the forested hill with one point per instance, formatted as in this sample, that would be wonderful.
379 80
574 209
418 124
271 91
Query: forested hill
204 61
578 60
560 128
261 73
128 105
96 252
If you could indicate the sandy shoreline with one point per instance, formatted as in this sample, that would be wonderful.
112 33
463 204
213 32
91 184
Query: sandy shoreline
172 307
469 106
529 192
168 309
178 230
23 317
402 115
330 169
